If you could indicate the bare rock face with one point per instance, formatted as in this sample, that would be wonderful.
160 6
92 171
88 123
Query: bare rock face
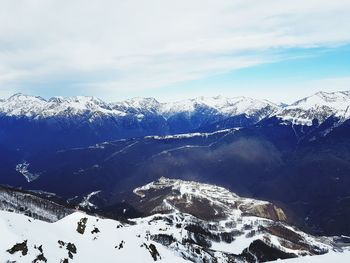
268 211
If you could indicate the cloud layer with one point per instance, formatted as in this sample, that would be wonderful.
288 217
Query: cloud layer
108 47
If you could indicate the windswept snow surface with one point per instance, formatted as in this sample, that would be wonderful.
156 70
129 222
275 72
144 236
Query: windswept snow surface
102 240
331 257
99 246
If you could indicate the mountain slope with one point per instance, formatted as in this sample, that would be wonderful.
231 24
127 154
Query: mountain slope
31 204
172 232
99 240
269 156
320 106
304 167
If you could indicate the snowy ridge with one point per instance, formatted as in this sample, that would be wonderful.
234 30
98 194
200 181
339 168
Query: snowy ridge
226 106
320 106
244 220
188 188
225 204
37 107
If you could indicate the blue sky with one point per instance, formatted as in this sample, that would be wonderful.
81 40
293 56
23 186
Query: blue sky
298 73
170 50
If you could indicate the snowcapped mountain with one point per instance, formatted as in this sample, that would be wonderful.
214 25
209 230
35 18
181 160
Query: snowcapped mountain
250 146
231 229
81 121
184 115
320 106
21 105
139 106
225 106
36 107
60 123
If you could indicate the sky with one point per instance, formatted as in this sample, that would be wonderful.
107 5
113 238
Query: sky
172 50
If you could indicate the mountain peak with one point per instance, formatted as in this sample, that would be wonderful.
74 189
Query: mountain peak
320 105
24 97
141 104
141 100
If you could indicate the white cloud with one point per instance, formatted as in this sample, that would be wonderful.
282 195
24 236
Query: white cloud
114 45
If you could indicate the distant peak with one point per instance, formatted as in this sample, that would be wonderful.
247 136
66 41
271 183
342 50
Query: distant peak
325 94
58 99
142 99
282 105
21 96
17 95
142 102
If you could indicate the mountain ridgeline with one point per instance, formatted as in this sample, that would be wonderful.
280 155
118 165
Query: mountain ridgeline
58 122
94 152
29 122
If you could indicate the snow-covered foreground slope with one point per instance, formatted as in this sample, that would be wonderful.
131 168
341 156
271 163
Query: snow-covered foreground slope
331 257
83 238
185 222
99 240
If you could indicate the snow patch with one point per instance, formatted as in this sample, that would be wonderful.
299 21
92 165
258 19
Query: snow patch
23 168
86 200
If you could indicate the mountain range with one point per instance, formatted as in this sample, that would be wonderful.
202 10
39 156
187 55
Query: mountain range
57 122
86 154
89 109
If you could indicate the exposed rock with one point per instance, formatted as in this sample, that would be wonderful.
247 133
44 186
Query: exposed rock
82 225
19 247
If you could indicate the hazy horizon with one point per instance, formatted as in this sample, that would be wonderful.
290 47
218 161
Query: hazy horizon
175 100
